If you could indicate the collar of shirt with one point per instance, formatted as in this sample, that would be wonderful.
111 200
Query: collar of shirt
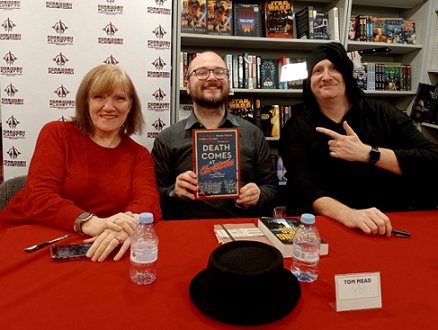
192 121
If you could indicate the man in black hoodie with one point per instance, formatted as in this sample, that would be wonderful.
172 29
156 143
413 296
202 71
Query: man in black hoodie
352 158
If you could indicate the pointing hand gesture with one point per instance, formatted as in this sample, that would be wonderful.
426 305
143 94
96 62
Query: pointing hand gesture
348 147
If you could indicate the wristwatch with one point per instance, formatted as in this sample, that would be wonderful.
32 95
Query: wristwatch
80 220
374 155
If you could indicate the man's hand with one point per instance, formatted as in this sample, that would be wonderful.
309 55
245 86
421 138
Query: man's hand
186 184
348 147
248 196
370 221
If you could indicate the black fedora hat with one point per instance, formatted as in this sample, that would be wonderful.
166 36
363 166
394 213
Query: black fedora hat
245 282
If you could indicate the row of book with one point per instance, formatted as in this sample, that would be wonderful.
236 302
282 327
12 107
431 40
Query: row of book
253 72
394 30
249 71
258 18
270 118
384 76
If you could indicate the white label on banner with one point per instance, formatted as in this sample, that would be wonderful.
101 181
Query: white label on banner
358 291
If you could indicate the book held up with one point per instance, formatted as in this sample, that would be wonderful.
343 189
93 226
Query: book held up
216 161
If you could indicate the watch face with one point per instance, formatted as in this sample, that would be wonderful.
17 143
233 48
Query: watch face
84 215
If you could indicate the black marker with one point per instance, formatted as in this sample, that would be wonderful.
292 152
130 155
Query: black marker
43 244
401 233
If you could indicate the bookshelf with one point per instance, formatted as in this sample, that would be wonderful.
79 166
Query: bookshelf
270 48
431 74
421 56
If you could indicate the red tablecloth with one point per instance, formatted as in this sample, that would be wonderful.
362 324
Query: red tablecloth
36 293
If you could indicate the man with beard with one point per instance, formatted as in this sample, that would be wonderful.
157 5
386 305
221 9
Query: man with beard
208 86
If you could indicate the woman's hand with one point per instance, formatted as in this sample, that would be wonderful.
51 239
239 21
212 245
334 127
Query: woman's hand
114 231
106 242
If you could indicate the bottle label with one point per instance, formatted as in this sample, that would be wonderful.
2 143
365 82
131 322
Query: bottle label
305 256
144 256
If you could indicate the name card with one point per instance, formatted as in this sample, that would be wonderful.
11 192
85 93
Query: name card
358 291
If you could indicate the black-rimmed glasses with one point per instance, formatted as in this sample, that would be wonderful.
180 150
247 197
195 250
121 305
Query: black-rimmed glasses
204 73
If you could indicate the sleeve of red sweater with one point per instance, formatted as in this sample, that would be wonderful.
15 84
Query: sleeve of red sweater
42 201
145 193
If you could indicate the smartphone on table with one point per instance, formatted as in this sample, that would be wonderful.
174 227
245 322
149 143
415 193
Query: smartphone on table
69 251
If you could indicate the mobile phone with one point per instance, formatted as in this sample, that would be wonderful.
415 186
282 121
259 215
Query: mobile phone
69 251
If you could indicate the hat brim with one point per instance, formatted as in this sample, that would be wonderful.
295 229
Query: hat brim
281 304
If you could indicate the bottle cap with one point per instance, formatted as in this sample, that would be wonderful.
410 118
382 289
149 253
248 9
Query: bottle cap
146 217
308 218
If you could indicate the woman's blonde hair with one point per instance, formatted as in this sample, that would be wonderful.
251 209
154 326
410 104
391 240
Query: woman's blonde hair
105 79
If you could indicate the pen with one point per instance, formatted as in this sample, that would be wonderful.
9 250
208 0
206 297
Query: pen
401 233
43 244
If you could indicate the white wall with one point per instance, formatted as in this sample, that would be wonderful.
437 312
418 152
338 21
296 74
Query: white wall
46 47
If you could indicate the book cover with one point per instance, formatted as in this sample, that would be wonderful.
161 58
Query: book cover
247 20
194 16
270 120
394 28
408 35
379 29
304 23
239 232
220 17
242 107
268 74
281 232
279 19
216 161
320 25
425 106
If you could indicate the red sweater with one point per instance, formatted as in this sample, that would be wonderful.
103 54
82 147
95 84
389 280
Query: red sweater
70 174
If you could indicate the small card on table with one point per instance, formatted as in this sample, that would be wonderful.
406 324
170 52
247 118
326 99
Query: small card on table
358 291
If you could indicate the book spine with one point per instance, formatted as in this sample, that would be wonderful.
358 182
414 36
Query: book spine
241 71
333 20
229 63
258 72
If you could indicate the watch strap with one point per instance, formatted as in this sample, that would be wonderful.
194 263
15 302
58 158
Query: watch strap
80 220
374 155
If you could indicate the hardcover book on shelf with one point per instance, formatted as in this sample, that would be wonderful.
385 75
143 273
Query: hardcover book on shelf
281 232
268 74
333 24
194 16
279 19
216 161
247 20
408 32
270 120
220 17
320 25
244 107
304 23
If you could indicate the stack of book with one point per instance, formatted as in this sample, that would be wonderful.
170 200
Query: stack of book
278 232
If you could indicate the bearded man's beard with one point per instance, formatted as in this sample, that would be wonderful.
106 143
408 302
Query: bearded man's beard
210 102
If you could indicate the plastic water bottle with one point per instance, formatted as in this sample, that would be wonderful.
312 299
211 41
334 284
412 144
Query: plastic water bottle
144 251
305 253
